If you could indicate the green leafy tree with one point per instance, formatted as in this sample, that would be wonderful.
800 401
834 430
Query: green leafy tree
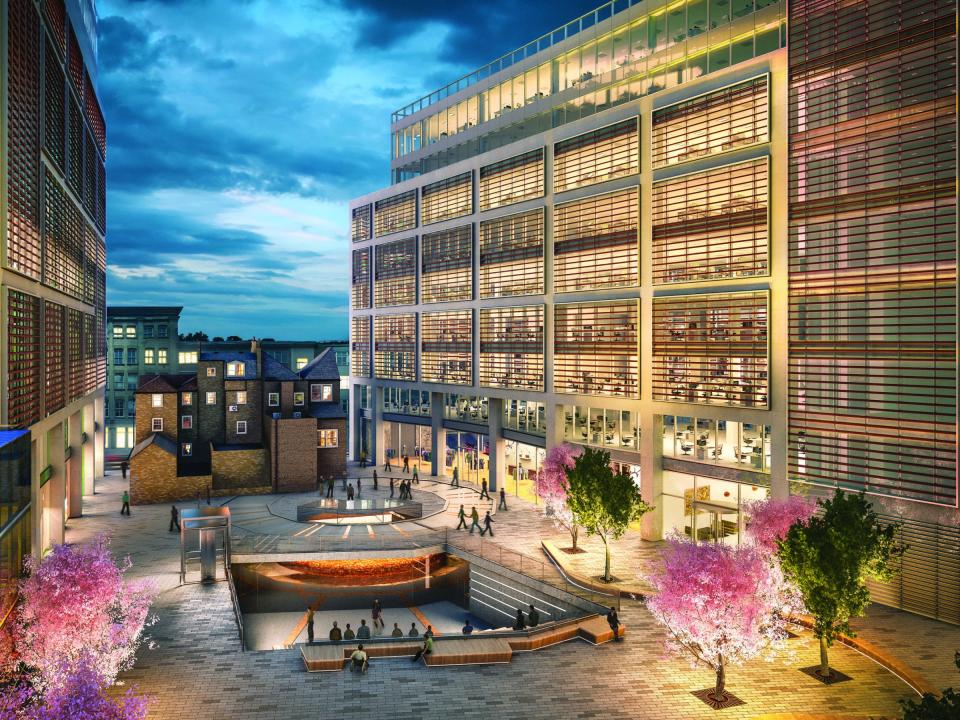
931 707
602 503
830 557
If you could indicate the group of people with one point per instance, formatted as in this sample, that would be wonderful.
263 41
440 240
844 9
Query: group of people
475 521
406 492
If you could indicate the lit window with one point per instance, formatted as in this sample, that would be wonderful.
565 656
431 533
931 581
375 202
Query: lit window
298 398
162 356
148 357
321 393
117 331
186 398
186 422
241 397
241 427
328 438
211 372
187 358
131 331
156 400
302 363
211 398
157 425
235 369
273 399
187 449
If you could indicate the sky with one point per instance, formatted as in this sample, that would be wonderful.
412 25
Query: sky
239 130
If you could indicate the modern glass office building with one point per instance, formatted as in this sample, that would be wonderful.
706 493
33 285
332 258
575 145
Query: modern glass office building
714 237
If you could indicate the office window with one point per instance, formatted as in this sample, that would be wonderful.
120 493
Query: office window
156 400
597 156
235 369
360 222
186 449
511 347
711 225
395 214
511 181
211 372
360 347
148 331
273 399
186 422
298 398
241 427
302 363
148 356
711 349
328 438
118 383
715 123
186 398
211 398
446 342
131 382
511 255
156 424
395 346
241 397
447 199
162 356
447 265
130 331
321 393
396 271
596 242
163 331
131 407
187 358
131 356
118 356
118 331
119 407
360 282
595 349
619 429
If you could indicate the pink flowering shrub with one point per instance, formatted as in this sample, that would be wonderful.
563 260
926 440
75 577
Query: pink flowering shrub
77 608
80 696
722 605
769 520
551 487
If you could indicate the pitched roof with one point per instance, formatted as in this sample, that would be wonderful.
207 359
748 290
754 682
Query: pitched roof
161 441
167 383
143 310
248 359
276 370
322 367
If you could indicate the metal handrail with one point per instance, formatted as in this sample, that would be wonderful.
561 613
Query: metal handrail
236 608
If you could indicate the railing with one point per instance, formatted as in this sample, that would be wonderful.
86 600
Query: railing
236 608
335 511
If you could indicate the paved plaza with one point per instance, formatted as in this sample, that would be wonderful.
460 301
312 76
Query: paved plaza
196 670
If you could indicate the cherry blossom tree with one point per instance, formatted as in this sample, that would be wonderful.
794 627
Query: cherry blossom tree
769 520
82 694
77 608
552 488
721 605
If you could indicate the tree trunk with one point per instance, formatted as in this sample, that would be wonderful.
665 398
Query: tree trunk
574 532
824 670
720 689
606 553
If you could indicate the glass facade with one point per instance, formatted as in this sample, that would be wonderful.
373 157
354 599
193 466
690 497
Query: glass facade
615 429
511 347
360 280
523 463
448 198
360 346
396 273
446 347
723 442
708 509
414 441
396 214
395 346
511 255
406 402
511 181
466 408
596 348
361 222
447 265
597 156
525 416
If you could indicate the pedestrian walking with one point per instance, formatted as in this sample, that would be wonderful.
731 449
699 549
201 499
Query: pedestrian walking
483 490
125 499
349 634
406 464
376 484
503 500
518 624
363 632
392 483
487 522
174 519
427 649
330 487
359 487
344 479
613 620
475 520
335 633
350 491
416 475
363 458
123 468
456 477
533 617
377 615
309 624
387 465
462 517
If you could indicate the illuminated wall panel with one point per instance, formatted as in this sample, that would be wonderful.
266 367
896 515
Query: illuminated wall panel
511 347
54 352
54 109
360 280
89 354
605 154
100 303
715 123
361 222
872 247
447 199
56 13
447 265
511 255
75 367
711 349
712 225
360 346
511 181
24 380
396 273
595 348
89 264
396 214
596 242
75 134
395 346
446 347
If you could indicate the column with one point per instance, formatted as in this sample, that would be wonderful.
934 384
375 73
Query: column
37 536
651 474
55 488
79 462
554 429
377 455
353 421
98 430
497 449
438 436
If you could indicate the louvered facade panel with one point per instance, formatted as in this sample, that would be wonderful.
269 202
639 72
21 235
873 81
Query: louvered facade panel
75 367
360 347
447 199
54 108
446 260
361 222
446 347
598 156
396 214
595 349
24 362
512 180
395 346
360 280
511 255
395 280
511 347
54 353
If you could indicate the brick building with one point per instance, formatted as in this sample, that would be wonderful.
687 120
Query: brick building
243 423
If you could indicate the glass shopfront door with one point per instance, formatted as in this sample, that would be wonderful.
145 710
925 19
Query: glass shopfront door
706 508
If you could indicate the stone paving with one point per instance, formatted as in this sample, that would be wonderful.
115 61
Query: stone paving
197 670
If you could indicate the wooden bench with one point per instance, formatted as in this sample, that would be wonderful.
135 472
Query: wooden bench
323 658
596 630
469 651
383 650
540 638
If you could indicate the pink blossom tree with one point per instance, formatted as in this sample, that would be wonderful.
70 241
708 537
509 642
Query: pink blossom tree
78 608
769 520
551 487
721 605
82 694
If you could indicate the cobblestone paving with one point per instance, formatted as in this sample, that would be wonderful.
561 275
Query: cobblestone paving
197 672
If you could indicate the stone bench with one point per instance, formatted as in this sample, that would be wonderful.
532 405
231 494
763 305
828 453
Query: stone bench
469 651
329 657
544 637
596 630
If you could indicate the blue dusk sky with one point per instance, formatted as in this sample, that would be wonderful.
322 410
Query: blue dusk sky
239 130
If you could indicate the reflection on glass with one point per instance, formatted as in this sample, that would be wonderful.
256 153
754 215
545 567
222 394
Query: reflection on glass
723 442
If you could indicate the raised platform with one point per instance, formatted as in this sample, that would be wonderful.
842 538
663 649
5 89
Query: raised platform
375 510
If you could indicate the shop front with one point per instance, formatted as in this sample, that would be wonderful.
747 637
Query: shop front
705 508
408 439
469 453
523 464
